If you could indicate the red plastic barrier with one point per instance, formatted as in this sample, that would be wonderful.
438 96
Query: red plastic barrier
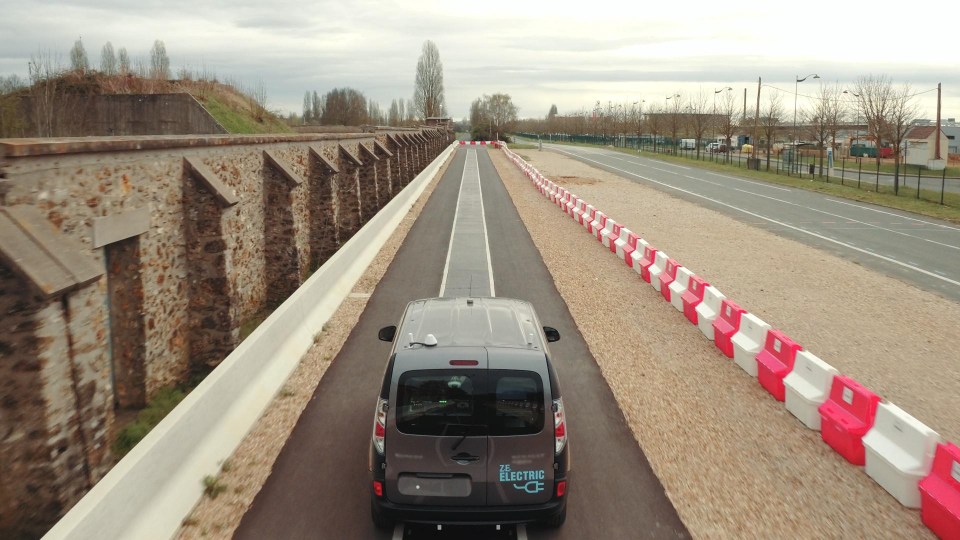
940 493
726 325
473 142
775 361
601 220
667 276
628 249
649 256
846 417
692 297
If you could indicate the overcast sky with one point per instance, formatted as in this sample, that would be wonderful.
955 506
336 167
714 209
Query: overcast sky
572 54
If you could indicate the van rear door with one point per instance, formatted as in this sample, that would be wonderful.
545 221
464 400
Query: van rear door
436 436
521 441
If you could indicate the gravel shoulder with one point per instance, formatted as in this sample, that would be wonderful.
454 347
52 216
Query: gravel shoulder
243 474
734 462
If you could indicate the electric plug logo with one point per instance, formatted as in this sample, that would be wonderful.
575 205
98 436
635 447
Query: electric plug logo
528 481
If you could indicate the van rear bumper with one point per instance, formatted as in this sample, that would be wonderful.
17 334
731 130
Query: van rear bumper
470 515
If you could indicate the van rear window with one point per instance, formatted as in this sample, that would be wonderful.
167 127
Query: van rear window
470 402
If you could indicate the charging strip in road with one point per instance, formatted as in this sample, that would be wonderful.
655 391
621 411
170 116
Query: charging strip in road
468 270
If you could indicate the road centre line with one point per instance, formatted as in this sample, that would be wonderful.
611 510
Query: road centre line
782 224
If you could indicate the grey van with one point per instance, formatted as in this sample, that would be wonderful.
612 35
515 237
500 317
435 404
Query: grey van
469 427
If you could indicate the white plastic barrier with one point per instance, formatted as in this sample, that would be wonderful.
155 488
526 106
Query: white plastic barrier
595 225
150 491
621 243
638 254
807 387
571 204
899 453
708 310
679 286
585 219
657 268
607 233
748 341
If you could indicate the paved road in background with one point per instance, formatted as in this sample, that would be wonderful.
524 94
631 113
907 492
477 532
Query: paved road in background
916 249
320 486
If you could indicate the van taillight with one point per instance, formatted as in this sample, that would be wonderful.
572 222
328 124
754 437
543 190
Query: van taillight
559 425
380 425
378 488
561 488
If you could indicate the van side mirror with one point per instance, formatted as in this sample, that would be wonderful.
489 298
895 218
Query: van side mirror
551 333
387 333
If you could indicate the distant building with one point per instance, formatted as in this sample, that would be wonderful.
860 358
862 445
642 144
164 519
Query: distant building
921 144
439 121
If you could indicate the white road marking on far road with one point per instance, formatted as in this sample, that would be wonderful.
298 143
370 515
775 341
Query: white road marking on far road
894 215
782 224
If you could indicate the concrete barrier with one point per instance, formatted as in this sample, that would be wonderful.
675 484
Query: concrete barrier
747 342
149 492
807 387
900 452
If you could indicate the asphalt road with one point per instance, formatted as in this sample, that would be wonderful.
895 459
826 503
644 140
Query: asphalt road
913 248
319 487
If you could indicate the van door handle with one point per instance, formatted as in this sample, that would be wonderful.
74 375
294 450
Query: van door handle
463 458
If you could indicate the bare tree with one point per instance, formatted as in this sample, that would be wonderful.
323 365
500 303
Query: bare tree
770 120
44 69
344 107
401 111
307 107
78 57
700 118
393 116
729 119
902 111
875 103
675 117
316 108
159 61
108 60
124 60
656 120
825 117
428 88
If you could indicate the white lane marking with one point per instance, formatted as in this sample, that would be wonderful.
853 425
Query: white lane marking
895 215
849 219
398 531
521 532
486 238
471 164
758 184
782 224
453 228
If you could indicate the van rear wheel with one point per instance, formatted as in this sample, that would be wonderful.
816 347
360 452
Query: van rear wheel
380 520
557 521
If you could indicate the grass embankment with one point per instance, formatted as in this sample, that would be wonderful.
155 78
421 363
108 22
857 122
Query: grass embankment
238 119
907 200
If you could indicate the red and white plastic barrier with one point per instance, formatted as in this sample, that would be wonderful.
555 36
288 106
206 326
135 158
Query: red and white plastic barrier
895 447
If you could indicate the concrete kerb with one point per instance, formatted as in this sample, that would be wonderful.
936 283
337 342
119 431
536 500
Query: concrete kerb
155 486
748 362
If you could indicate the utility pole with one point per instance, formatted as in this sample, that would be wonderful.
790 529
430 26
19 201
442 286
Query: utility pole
756 125
937 135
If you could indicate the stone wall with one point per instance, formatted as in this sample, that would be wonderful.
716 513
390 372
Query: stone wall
194 236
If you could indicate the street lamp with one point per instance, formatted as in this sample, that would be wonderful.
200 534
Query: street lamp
665 112
796 89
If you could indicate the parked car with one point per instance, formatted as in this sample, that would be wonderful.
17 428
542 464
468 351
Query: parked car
469 426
